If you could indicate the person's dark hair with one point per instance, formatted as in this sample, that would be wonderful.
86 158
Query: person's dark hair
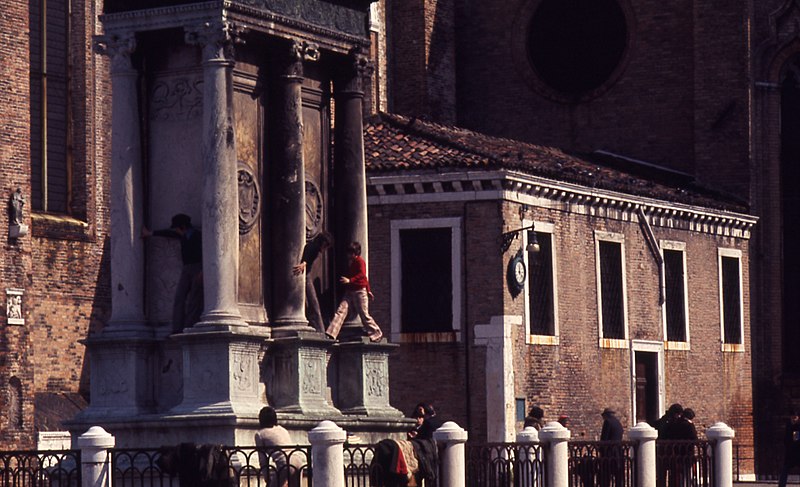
688 413
675 409
267 418
181 220
354 248
536 412
325 238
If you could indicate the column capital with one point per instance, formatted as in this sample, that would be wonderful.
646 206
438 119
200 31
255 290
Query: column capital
290 58
118 47
216 38
354 73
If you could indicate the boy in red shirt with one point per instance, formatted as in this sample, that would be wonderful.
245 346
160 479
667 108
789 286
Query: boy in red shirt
356 295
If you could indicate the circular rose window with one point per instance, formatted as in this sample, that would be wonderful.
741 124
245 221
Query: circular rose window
576 47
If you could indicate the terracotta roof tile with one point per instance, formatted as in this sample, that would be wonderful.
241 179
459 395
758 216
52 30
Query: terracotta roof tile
395 142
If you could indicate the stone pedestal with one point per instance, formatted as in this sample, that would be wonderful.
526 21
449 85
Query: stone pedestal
363 378
121 377
297 375
220 372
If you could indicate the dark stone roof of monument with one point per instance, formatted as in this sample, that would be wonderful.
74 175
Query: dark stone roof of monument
394 143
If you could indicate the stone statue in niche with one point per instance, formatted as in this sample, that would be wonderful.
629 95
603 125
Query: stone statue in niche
16 206
14 307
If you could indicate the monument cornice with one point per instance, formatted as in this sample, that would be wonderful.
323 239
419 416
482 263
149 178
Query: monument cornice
245 16
557 195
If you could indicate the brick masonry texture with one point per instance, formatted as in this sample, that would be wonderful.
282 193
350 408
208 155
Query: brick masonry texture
576 377
61 264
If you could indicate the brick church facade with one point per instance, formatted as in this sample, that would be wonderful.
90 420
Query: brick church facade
700 94
709 92
55 140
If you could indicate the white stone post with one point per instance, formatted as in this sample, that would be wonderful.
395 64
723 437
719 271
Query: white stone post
645 437
127 248
220 212
496 337
95 460
327 454
555 436
527 457
723 435
452 454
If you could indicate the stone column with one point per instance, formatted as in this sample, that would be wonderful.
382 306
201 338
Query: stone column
95 460
453 469
287 200
127 248
645 437
220 212
327 454
555 436
350 180
723 435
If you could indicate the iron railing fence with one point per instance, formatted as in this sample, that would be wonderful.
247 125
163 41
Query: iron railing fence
379 466
49 468
602 464
684 463
504 465
190 465
744 465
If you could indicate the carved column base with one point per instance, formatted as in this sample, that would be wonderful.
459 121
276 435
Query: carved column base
297 375
220 373
121 372
363 378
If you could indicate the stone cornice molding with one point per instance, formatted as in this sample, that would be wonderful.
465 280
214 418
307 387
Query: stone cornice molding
254 19
556 195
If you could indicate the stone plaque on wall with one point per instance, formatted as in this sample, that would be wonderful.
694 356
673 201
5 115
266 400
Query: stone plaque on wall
14 314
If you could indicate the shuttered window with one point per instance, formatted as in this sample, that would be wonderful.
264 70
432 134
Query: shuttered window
540 286
731 299
675 295
426 280
611 289
49 105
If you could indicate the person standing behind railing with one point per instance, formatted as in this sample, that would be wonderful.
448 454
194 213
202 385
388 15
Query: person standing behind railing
791 443
272 435
612 464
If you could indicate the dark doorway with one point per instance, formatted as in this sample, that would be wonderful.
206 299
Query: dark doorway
646 381
790 209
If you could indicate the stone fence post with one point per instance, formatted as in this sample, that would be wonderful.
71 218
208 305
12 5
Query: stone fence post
95 459
528 457
452 437
645 437
327 454
723 453
555 436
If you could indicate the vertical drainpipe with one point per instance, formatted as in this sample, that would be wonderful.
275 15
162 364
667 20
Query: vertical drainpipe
43 67
654 249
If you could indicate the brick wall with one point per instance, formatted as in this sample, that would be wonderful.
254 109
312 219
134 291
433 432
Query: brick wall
61 264
576 377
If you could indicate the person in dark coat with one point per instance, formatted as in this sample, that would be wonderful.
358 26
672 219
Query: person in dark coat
791 445
611 462
313 249
188 302
430 424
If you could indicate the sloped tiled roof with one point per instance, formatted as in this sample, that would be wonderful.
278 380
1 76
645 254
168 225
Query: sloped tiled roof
395 143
